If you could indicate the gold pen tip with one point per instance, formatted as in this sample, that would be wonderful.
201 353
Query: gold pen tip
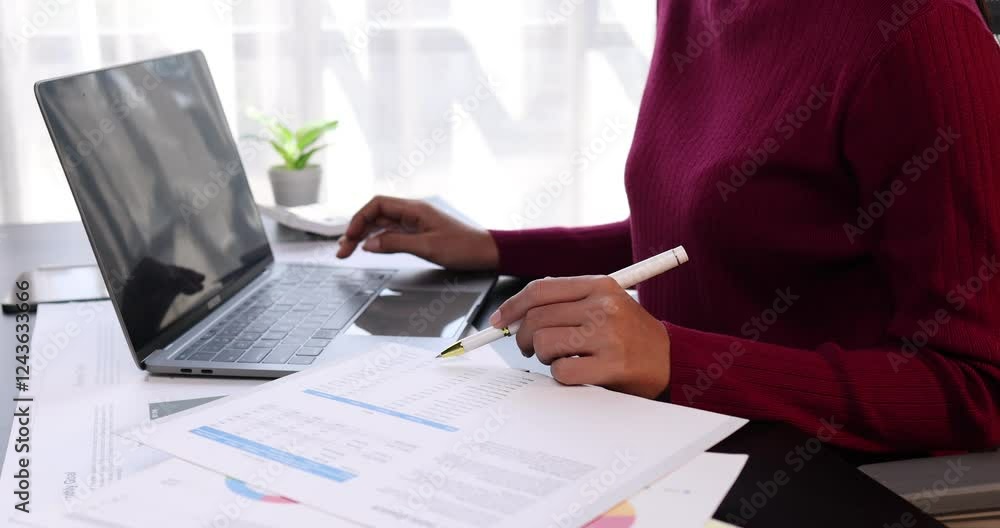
454 350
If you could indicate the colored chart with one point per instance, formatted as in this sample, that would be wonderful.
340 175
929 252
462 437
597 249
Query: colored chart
621 516
241 488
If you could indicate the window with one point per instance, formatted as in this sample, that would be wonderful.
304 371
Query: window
449 97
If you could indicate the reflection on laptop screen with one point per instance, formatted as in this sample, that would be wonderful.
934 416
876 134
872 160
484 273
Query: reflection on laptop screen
160 187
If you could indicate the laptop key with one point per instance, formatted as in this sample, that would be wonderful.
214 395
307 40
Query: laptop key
281 353
301 360
229 355
202 356
344 314
309 351
218 341
212 347
325 334
320 343
186 353
294 340
243 345
254 355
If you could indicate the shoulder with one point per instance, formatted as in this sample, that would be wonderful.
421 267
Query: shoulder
926 42
898 17
918 34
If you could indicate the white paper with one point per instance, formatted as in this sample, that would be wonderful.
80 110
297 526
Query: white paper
395 437
713 523
177 494
686 498
86 387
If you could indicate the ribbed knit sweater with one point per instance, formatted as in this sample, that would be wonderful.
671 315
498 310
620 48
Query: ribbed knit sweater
832 170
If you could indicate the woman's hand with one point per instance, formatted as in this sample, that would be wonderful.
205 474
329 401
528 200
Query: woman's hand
414 226
591 332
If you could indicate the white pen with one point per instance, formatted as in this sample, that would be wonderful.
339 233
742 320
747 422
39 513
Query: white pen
626 278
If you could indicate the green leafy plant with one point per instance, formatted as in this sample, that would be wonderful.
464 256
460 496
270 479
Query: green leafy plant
294 147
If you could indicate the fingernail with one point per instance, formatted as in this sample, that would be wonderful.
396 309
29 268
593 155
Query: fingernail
373 244
495 318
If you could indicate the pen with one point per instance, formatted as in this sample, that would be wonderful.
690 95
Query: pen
626 278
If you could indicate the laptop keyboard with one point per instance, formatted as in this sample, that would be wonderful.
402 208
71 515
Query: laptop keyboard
290 319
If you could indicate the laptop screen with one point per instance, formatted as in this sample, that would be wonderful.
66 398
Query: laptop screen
161 191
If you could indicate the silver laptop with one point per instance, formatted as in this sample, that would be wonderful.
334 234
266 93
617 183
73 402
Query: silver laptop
162 192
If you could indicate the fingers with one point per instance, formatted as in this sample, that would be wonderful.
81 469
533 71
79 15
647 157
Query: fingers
552 344
580 370
400 242
540 317
548 291
380 211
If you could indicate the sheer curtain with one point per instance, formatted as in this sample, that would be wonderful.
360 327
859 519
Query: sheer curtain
519 112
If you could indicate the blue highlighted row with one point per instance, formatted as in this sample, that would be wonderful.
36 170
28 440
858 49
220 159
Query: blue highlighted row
383 410
270 453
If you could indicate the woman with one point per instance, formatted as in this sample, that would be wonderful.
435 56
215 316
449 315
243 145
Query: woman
831 168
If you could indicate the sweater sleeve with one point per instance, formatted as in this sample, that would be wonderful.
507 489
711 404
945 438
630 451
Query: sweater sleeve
561 251
922 136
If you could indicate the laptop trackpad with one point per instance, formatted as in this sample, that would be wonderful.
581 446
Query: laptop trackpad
415 313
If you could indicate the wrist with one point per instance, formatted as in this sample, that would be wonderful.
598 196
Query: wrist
656 372
489 253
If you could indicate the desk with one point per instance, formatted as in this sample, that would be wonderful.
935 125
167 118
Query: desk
824 491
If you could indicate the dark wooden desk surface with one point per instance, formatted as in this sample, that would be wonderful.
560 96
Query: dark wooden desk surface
779 487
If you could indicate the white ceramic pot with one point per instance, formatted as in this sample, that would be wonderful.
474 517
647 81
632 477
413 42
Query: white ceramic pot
295 187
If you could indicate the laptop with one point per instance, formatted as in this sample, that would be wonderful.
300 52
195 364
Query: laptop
165 201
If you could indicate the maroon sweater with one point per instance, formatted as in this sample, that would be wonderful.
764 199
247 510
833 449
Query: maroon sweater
832 170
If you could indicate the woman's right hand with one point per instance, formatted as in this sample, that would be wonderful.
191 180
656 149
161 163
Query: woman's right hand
417 227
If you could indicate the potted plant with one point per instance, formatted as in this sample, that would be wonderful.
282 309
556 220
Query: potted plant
296 182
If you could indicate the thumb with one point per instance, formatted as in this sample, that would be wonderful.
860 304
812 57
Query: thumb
397 242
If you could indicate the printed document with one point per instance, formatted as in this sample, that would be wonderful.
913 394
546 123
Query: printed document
394 437
684 499
84 381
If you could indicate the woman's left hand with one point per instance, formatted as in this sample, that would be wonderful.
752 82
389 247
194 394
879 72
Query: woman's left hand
591 332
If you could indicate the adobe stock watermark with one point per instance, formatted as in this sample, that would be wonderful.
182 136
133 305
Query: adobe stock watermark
795 460
32 25
958 298
925 499
202 195
387 356
752 330
461 454
224 8
562 12
360 38
425 148
122 104
785 127
699 42
611 132
42 354
915 169
593 488
901 15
